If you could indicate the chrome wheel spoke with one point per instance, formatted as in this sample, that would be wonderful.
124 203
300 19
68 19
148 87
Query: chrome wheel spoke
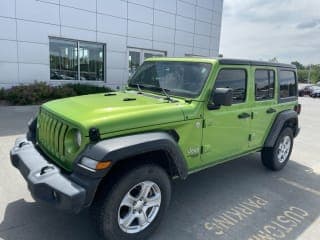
139 207
154 201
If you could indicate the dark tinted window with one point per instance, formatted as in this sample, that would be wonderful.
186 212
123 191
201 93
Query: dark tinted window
288 84
264 84
236 79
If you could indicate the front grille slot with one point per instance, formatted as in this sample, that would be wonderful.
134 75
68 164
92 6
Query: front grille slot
52 133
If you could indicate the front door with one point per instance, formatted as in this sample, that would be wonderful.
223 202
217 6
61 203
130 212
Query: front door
226 132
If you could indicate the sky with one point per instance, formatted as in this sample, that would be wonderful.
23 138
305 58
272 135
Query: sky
263 29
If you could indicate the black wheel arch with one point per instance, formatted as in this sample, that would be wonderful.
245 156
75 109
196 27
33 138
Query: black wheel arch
153 147
287 118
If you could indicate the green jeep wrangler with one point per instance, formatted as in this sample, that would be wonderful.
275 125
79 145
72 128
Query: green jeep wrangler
118 152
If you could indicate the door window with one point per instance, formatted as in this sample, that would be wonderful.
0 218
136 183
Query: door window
264 84
235 79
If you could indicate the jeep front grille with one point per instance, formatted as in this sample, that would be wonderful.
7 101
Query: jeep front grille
51 134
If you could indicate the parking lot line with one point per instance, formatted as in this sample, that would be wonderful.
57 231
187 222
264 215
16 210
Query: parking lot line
297 185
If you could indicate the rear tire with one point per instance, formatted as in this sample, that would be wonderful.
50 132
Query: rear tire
277 157
133 207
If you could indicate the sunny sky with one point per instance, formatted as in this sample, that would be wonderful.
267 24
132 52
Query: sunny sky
263 29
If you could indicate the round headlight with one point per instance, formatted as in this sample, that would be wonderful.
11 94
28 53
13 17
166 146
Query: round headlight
78 138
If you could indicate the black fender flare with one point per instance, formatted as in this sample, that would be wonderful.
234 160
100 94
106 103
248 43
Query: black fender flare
120 148
278 124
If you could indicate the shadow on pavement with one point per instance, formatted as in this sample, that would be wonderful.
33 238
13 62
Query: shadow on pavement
197 204
14 119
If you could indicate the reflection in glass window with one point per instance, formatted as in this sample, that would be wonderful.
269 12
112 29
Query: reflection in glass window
69 58
264 84
288 84
235 79
91 61
134 62
63 59
184 79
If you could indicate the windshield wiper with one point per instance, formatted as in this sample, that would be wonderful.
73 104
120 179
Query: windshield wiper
138 86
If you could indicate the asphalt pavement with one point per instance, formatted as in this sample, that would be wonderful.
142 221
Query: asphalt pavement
236 200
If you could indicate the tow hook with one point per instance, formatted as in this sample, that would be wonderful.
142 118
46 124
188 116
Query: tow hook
46 169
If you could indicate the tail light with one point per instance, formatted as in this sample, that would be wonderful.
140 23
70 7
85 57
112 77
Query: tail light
297 108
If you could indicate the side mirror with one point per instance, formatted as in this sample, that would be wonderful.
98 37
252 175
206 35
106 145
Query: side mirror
220 97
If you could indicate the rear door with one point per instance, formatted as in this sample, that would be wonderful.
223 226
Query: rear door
264 104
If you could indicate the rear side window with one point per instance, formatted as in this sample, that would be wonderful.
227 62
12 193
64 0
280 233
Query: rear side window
264 84
288 84
235 79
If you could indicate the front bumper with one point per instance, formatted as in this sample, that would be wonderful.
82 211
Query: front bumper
45 181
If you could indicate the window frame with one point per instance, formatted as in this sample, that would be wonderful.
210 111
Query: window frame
77 41
274 84
290 98
246 82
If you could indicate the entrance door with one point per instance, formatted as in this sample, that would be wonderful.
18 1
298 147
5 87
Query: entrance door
226 132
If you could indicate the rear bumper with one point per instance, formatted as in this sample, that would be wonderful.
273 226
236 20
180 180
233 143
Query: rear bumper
45 181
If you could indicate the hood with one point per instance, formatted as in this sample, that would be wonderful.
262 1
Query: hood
116 111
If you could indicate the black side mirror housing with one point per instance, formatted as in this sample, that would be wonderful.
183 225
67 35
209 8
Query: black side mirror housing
220 97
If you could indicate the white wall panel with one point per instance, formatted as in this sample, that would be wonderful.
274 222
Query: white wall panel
8 51
8 28
113 42
29 73
201 41
164 19
33 53
115 8
180 51
140 13
40 36
109 24
117 60
184 38
203 14
88 5
37 11
167 5
139 30
9 73
139 43
163 34
148 3
186 9
78 34
78 18
7 8
185 24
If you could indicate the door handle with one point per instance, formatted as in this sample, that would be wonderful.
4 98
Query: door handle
244 115
271 110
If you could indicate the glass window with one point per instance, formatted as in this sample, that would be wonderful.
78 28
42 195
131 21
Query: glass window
264 84
91 61
177 78
288 84
69 58
235 79
63 59
134 62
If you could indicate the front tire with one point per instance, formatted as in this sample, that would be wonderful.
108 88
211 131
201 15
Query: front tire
134 205
277 157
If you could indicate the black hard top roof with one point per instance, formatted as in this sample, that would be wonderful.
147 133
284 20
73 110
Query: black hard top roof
230 61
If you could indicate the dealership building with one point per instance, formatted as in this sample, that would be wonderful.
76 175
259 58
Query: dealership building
100 41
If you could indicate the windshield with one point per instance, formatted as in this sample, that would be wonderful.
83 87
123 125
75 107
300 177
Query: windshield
184 79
